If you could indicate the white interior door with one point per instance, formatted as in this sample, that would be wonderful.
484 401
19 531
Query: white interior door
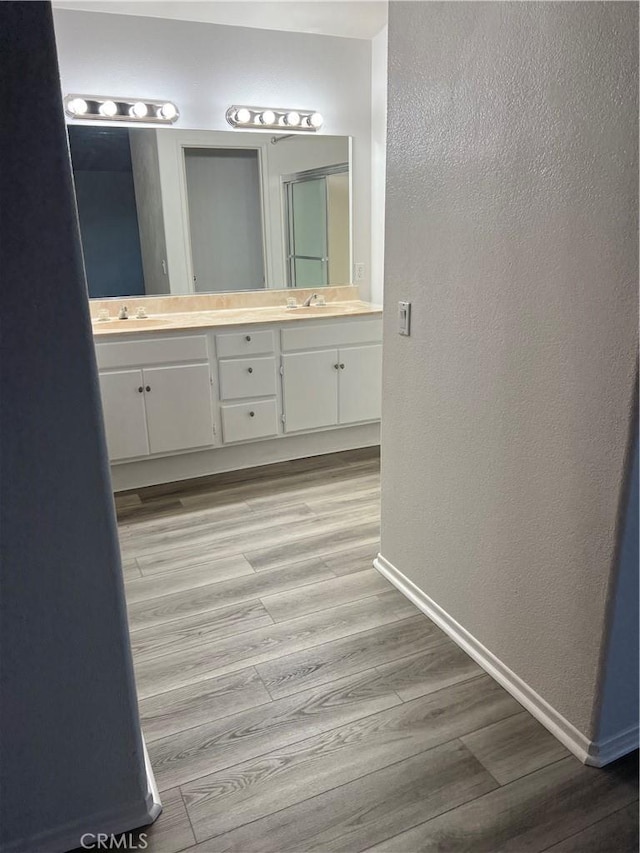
179 412
360 384
225 218
310 388
123 396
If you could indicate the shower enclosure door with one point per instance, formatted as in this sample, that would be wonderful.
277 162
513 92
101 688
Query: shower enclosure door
308 261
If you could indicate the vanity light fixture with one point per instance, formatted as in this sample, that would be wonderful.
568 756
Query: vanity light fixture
94 107
270 118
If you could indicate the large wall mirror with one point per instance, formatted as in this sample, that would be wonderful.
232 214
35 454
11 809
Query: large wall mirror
168 211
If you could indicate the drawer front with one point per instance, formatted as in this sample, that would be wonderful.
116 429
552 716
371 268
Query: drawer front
247 377
244 421
309 337
244 343
150 351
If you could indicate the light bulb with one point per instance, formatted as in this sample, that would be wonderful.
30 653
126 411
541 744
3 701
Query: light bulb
243 116
139 110
78 106
168 111
108 109
293 119
268 117
315 120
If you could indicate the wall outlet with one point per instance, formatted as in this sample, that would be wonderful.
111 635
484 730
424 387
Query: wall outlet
359 272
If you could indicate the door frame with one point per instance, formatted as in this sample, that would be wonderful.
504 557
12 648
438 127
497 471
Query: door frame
175 205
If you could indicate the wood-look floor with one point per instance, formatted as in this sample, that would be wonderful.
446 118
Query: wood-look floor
292 700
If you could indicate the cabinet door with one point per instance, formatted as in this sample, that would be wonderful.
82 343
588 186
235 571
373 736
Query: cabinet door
310 389
124 417
178 402
360 384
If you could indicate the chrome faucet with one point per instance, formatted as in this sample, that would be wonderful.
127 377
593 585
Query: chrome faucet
123 313
307 302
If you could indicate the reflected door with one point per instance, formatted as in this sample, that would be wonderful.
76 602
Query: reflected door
225 219
307 232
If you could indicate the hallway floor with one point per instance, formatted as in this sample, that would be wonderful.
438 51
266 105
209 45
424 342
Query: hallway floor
293 700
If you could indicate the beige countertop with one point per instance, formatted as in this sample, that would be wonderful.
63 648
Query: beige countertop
241 316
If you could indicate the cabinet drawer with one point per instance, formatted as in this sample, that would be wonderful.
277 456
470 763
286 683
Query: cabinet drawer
243 421
247 377
151 351
244 343
307 337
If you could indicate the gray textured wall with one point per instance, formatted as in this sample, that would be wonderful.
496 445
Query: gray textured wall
70 744
512 227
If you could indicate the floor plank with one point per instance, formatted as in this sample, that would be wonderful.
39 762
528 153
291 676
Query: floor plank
357 559
142 588
208 532
249 791
198 751
529 814
252 647
616 833
512 748
189 602
361 813
289 540
192 631
322 543
319 596
429 671
291 673
202 702
130 570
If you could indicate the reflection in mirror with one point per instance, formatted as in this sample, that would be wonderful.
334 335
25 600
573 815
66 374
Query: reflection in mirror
176 212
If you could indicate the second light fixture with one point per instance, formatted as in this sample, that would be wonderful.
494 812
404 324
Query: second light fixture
270 118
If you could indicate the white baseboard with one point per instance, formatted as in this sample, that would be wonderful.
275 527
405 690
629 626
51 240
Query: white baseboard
595 753
118 821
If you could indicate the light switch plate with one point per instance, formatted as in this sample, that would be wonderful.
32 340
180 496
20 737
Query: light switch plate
404 318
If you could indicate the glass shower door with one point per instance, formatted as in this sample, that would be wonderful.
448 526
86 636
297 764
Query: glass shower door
307 232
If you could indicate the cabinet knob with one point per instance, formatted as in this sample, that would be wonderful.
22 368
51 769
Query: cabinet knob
252 414
248 338
249 369
336 366
148 388
341 366
140 389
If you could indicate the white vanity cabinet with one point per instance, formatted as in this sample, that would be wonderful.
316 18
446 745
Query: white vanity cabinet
331 374
164 394
156 396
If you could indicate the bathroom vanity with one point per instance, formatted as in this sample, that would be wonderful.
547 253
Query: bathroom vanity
194 242
203 389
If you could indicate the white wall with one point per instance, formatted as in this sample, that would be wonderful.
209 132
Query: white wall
205 68
512 228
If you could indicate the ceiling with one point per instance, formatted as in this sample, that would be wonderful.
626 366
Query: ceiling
362 19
